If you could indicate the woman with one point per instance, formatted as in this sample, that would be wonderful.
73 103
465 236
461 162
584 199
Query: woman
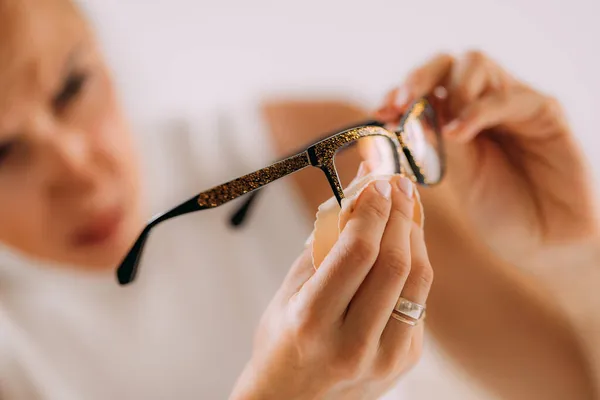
71 196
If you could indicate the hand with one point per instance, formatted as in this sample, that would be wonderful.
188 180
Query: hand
514 166
329 333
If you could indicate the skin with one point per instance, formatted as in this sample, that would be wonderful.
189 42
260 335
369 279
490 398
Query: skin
67 163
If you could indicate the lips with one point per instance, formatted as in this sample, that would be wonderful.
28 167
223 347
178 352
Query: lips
100 229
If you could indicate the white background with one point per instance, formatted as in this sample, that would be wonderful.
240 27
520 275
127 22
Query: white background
177 57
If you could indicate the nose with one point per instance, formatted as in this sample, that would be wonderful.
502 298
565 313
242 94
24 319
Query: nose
69 163
73 166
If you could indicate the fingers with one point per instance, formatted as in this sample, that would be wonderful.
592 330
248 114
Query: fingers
513 108
469 79
419 282
464 79
373 303
342 272
352 295
416 289
479 95
299 274
420 82
423 80
388 112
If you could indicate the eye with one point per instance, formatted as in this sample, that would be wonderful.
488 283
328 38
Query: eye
5 151
69 91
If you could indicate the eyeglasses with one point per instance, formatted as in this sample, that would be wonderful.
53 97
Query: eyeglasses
415 146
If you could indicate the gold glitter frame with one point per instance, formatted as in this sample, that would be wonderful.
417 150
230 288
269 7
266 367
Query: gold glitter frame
320 155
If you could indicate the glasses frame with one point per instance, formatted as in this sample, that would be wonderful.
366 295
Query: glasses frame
320 155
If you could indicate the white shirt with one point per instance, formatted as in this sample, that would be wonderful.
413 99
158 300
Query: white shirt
184 329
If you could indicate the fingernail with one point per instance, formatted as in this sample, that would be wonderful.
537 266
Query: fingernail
451 126
458 130
406 186
401 97
384 188
440 92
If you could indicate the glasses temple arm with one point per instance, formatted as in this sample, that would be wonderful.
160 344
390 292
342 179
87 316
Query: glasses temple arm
211 198
239 216
127 270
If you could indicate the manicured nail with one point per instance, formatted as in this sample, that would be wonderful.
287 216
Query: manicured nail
406 186
459 131
440 92
401 97
451 126
384 188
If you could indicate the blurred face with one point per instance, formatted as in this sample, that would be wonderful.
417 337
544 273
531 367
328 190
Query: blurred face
69 188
